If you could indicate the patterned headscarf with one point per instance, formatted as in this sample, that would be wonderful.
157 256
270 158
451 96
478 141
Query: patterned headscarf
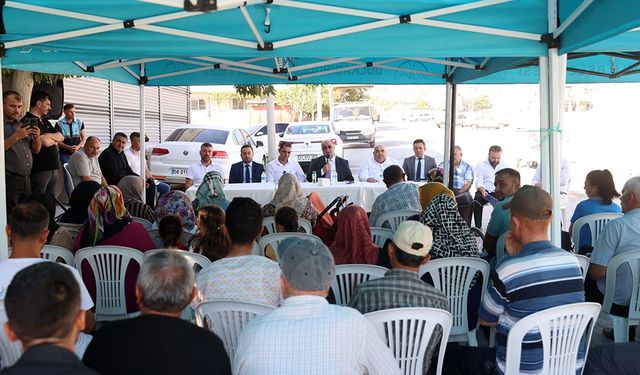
451 235
289 194
353 243
131 188
106 216
430 190
211 192
176 203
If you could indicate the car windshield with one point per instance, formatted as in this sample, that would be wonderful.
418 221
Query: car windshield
199 135
343 113
307 129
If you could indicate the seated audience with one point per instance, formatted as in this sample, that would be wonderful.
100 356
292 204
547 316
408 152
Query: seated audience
79 201
27 231
507 182
536 276
170 230
176 203
83 164
210 192
461 184
614 359
58 236
290 194
132 188
429 190
600 190
286 220
133 158
401 286
400 195
241 276
159 341
352 241
43 305
210 239
307 335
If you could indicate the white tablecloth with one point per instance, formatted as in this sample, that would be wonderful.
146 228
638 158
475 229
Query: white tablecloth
361 193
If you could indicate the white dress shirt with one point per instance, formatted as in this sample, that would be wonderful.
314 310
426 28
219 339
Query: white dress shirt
372 169
197 171
275 170
307 335
485 174
565 176
133 158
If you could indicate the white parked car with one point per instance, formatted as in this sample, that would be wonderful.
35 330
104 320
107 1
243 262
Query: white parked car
306 138
259 133
170 159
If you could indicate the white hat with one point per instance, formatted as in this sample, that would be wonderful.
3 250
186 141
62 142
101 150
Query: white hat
413 238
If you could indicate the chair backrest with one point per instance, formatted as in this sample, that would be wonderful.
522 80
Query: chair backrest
479 237
584 264
227 319
274 240
596 223
631 259
380 235
65 167
407 332
562 330
500 248
197 261
159 243
10 351
453 277
306 225
56 254
348 276
269 222
73 232
394 218
70 225
109 265
147 224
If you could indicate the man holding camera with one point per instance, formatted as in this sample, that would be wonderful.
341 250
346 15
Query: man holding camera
20 141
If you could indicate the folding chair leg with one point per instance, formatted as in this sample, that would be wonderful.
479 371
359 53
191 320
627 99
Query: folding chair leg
473 338
492 337
620 328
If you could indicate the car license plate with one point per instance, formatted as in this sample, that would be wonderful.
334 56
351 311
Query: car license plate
305 157
353 137
178 171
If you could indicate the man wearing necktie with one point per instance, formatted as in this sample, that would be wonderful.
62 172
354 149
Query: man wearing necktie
416 167
245 171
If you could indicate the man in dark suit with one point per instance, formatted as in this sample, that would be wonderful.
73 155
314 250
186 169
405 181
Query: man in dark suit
417 167
245 171
329 163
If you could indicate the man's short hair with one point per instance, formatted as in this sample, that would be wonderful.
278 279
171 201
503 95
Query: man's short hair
92 138
406 259
42 301
9 93
120 134
457 148
37 96
166 281
137 135
28 220
68 106
392 173
246 145
283 144
495 148
510 172
420 140
206 144
243 220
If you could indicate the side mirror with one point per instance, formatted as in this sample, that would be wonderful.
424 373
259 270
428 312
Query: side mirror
281 135
259 144
259 134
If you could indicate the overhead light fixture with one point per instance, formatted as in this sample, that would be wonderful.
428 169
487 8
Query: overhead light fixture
200 5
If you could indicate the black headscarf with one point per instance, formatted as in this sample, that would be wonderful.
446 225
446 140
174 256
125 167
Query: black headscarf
79 201
47 200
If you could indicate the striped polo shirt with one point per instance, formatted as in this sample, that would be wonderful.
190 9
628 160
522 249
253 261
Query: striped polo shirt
540 277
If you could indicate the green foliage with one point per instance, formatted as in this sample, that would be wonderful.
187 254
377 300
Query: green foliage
38 77
302 99
481 103
359 94
255 91
422 104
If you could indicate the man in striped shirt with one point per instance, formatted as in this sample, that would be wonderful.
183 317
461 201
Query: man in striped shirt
536 276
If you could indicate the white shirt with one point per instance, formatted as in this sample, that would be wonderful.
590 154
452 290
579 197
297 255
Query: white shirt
485 174
307 335
80 165
10 267
565 176
133 158
372 169
248 278
197 171
275 170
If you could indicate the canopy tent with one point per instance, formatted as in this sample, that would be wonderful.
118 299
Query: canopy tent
155 42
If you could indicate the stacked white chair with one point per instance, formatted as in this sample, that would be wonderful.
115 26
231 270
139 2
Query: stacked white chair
349 276
381 235
394 218
630 259
56 253
596 223
274 240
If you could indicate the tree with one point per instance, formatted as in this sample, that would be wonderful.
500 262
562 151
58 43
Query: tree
255 91
481 103
22 82
352 95
301 98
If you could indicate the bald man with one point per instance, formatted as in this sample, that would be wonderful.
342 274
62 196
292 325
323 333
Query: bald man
371 170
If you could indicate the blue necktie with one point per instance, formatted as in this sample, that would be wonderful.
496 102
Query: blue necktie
419 170
247 176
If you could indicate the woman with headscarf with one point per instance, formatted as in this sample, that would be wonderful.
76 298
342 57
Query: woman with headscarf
58 236
132 188
176 203
290 194
79 201
352 241
434 187
210 192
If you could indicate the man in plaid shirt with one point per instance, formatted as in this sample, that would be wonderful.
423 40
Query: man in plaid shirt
400 195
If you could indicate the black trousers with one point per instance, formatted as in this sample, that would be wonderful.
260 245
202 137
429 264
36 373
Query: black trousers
17 188
478 205
593 294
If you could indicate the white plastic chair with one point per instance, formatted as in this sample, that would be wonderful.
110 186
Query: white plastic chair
109 265
73 232
348 276
197 261
146 223
453 277
274 240
70 225
501 251
630 259
54 253
227 319
407 332
157 241
394 218
65 168
584 264
596 223
380 235
306 225
562 330
269 222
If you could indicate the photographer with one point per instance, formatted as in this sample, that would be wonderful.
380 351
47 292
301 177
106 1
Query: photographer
20 140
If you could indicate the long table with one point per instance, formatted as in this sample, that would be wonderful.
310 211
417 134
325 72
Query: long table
361 193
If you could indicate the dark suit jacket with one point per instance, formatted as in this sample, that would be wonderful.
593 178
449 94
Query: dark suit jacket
342 166
236 174
114 165
409 166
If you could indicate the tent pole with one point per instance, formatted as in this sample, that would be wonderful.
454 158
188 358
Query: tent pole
142 135
271 127
4 242
319 103
449 123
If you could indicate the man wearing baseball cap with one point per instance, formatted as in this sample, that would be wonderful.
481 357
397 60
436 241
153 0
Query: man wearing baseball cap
401 286
307 335
535 276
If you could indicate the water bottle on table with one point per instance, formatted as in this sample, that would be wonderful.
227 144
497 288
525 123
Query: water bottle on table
263 177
